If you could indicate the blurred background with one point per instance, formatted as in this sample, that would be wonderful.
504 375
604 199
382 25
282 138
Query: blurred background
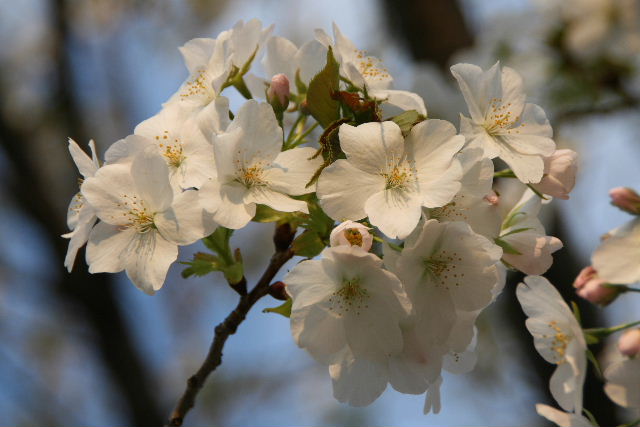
80 349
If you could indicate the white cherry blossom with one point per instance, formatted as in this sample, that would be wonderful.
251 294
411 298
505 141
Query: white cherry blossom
368 73
80 216
390 179
501 122
346 313
177 135
142 221
211 62
251 169
353 234
558 338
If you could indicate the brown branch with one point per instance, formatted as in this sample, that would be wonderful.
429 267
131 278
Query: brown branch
229 326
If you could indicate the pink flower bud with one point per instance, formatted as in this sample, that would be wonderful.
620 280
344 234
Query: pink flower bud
279 90
353 234
629 343
559 174
591 287
625 199
492 198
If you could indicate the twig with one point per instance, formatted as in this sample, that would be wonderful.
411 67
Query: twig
229 327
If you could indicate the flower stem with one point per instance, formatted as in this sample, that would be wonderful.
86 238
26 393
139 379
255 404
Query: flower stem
391 245
603 332
301 138
222 332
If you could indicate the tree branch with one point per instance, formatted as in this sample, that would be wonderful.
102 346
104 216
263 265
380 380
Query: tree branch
229 326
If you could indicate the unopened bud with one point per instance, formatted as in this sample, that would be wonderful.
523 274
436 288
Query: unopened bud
559 174
353 234
278 290
278 92
592 288
283 236
629 343
492 198
625 199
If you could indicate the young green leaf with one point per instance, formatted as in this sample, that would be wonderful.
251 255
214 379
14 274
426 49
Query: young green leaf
320 102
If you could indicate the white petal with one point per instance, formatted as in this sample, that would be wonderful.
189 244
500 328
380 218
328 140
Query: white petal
317 329
358 382
79 237
395 212
343 190
278 201
372 147
124 150
562 419
310 59
85 164
616 259
214 118
232 212
151 178
535 251
185 222
528 168
261 138
623 382
478 87
148 261
279 58
432 400
292 170
401 99
196 52
108 248
104 192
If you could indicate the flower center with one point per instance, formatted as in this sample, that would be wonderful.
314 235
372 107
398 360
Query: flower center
559 342
137 216
252 176
398 177
353 236
351 296
500 118
442 268
198 86
370 67
171 149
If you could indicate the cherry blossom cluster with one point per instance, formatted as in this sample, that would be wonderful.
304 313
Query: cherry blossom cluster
426 225
557 333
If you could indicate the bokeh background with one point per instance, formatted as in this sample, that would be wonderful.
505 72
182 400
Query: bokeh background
80 349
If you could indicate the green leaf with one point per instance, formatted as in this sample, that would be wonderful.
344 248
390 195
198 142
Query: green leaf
318 220
506 247
320 102
308 244
284 309
202 264
407 120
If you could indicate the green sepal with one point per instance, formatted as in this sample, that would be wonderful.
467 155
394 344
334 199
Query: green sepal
283 309
506 247
300 86
407 120
320 102
308 244
595 363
